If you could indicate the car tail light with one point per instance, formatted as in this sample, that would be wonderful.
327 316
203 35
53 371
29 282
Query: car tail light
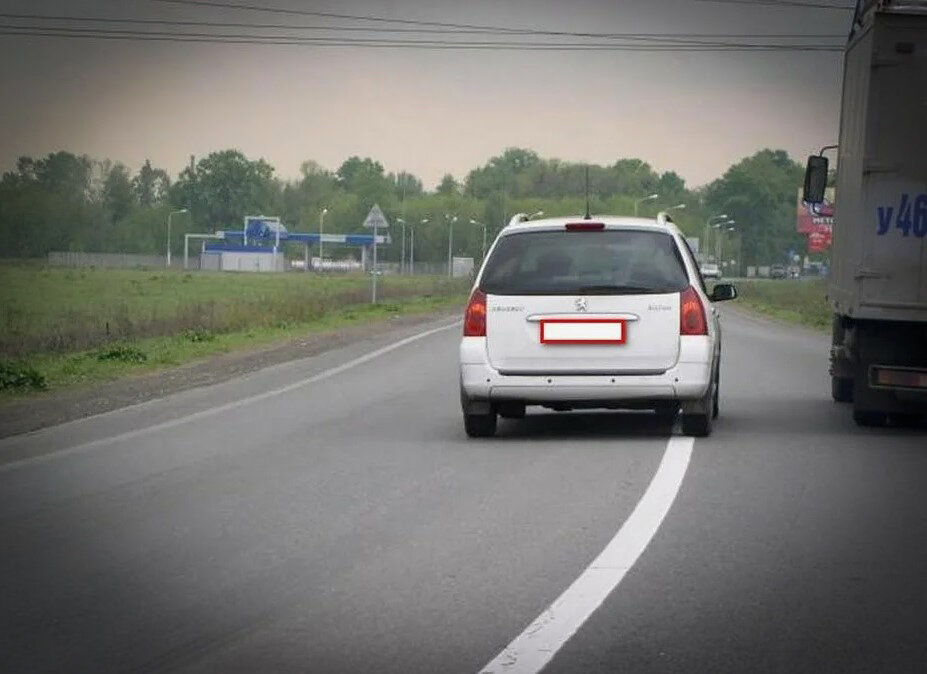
475 318
692 319
585 226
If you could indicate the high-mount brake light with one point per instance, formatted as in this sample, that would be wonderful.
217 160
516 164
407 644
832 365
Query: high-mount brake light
475 318
585 226
692 319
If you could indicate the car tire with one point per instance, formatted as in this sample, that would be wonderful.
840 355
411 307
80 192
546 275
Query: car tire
480 425
697 425
666 413
716 399
841 389
512 410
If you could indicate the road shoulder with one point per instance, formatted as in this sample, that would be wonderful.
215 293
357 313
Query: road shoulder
23 416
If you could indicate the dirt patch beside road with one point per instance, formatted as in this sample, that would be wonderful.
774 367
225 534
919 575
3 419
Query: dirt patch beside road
23 416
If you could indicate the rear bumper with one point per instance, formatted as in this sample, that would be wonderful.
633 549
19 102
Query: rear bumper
688 380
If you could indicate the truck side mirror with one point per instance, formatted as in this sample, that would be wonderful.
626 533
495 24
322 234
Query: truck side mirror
815 179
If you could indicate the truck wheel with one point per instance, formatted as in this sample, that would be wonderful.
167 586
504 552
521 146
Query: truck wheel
480 425
870 419
841 389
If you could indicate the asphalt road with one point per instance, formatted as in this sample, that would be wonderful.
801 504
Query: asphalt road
306 520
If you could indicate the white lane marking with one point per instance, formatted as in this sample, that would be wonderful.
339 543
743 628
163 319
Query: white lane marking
68 451
536 646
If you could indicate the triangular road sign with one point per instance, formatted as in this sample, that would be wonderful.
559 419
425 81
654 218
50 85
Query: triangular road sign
375 218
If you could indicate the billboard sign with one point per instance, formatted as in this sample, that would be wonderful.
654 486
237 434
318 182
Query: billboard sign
811 217
816 221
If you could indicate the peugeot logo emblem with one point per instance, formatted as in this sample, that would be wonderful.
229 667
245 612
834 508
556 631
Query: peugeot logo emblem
581 304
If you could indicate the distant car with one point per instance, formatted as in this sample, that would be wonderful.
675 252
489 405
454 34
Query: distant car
778 271
711 270
574 313
794 272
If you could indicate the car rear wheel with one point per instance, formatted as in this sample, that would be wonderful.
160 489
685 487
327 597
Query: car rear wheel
480 425
512 410
696 425
699 424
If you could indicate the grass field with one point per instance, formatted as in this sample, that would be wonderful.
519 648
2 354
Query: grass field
801 302
76 325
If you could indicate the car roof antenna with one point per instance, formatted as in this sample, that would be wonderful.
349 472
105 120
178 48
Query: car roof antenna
588 216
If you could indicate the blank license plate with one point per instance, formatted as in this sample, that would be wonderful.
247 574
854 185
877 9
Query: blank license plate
583 331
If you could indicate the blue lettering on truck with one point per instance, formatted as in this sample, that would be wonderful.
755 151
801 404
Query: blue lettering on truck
909 217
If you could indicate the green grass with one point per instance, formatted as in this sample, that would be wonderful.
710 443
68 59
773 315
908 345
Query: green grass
158 353
801 302
57 310
66 327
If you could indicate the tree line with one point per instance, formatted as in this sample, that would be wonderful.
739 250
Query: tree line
71 202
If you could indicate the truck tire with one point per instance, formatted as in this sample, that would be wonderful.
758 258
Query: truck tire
841 386
841 389
870 419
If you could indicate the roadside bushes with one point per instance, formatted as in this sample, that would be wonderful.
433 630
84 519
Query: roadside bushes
20 377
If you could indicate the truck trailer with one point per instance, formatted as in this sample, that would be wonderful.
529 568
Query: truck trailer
877 286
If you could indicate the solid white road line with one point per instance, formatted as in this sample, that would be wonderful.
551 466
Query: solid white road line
76 449
536 646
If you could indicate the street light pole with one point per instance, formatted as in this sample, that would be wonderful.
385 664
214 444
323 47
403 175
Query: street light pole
450 242
720 244
718 226
708 227
649 197
169 216
321 226
402 254
423 221
474 222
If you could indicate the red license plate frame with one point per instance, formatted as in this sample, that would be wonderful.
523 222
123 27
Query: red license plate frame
546 339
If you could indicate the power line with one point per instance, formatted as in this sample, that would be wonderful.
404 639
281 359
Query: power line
415 22
782 3
682 37
85 33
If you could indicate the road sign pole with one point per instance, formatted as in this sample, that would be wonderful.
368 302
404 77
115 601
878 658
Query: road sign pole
374 300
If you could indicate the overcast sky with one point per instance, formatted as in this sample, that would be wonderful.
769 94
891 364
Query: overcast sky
428 112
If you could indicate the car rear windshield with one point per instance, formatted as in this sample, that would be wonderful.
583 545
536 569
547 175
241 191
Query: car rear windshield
607 262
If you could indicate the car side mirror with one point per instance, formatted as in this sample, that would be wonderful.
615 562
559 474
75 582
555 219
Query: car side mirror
723 292
815 179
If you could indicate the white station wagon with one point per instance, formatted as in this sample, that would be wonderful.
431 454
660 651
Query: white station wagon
580 313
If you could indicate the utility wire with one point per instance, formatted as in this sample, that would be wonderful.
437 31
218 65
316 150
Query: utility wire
38 31
783 3
681 37
380 19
